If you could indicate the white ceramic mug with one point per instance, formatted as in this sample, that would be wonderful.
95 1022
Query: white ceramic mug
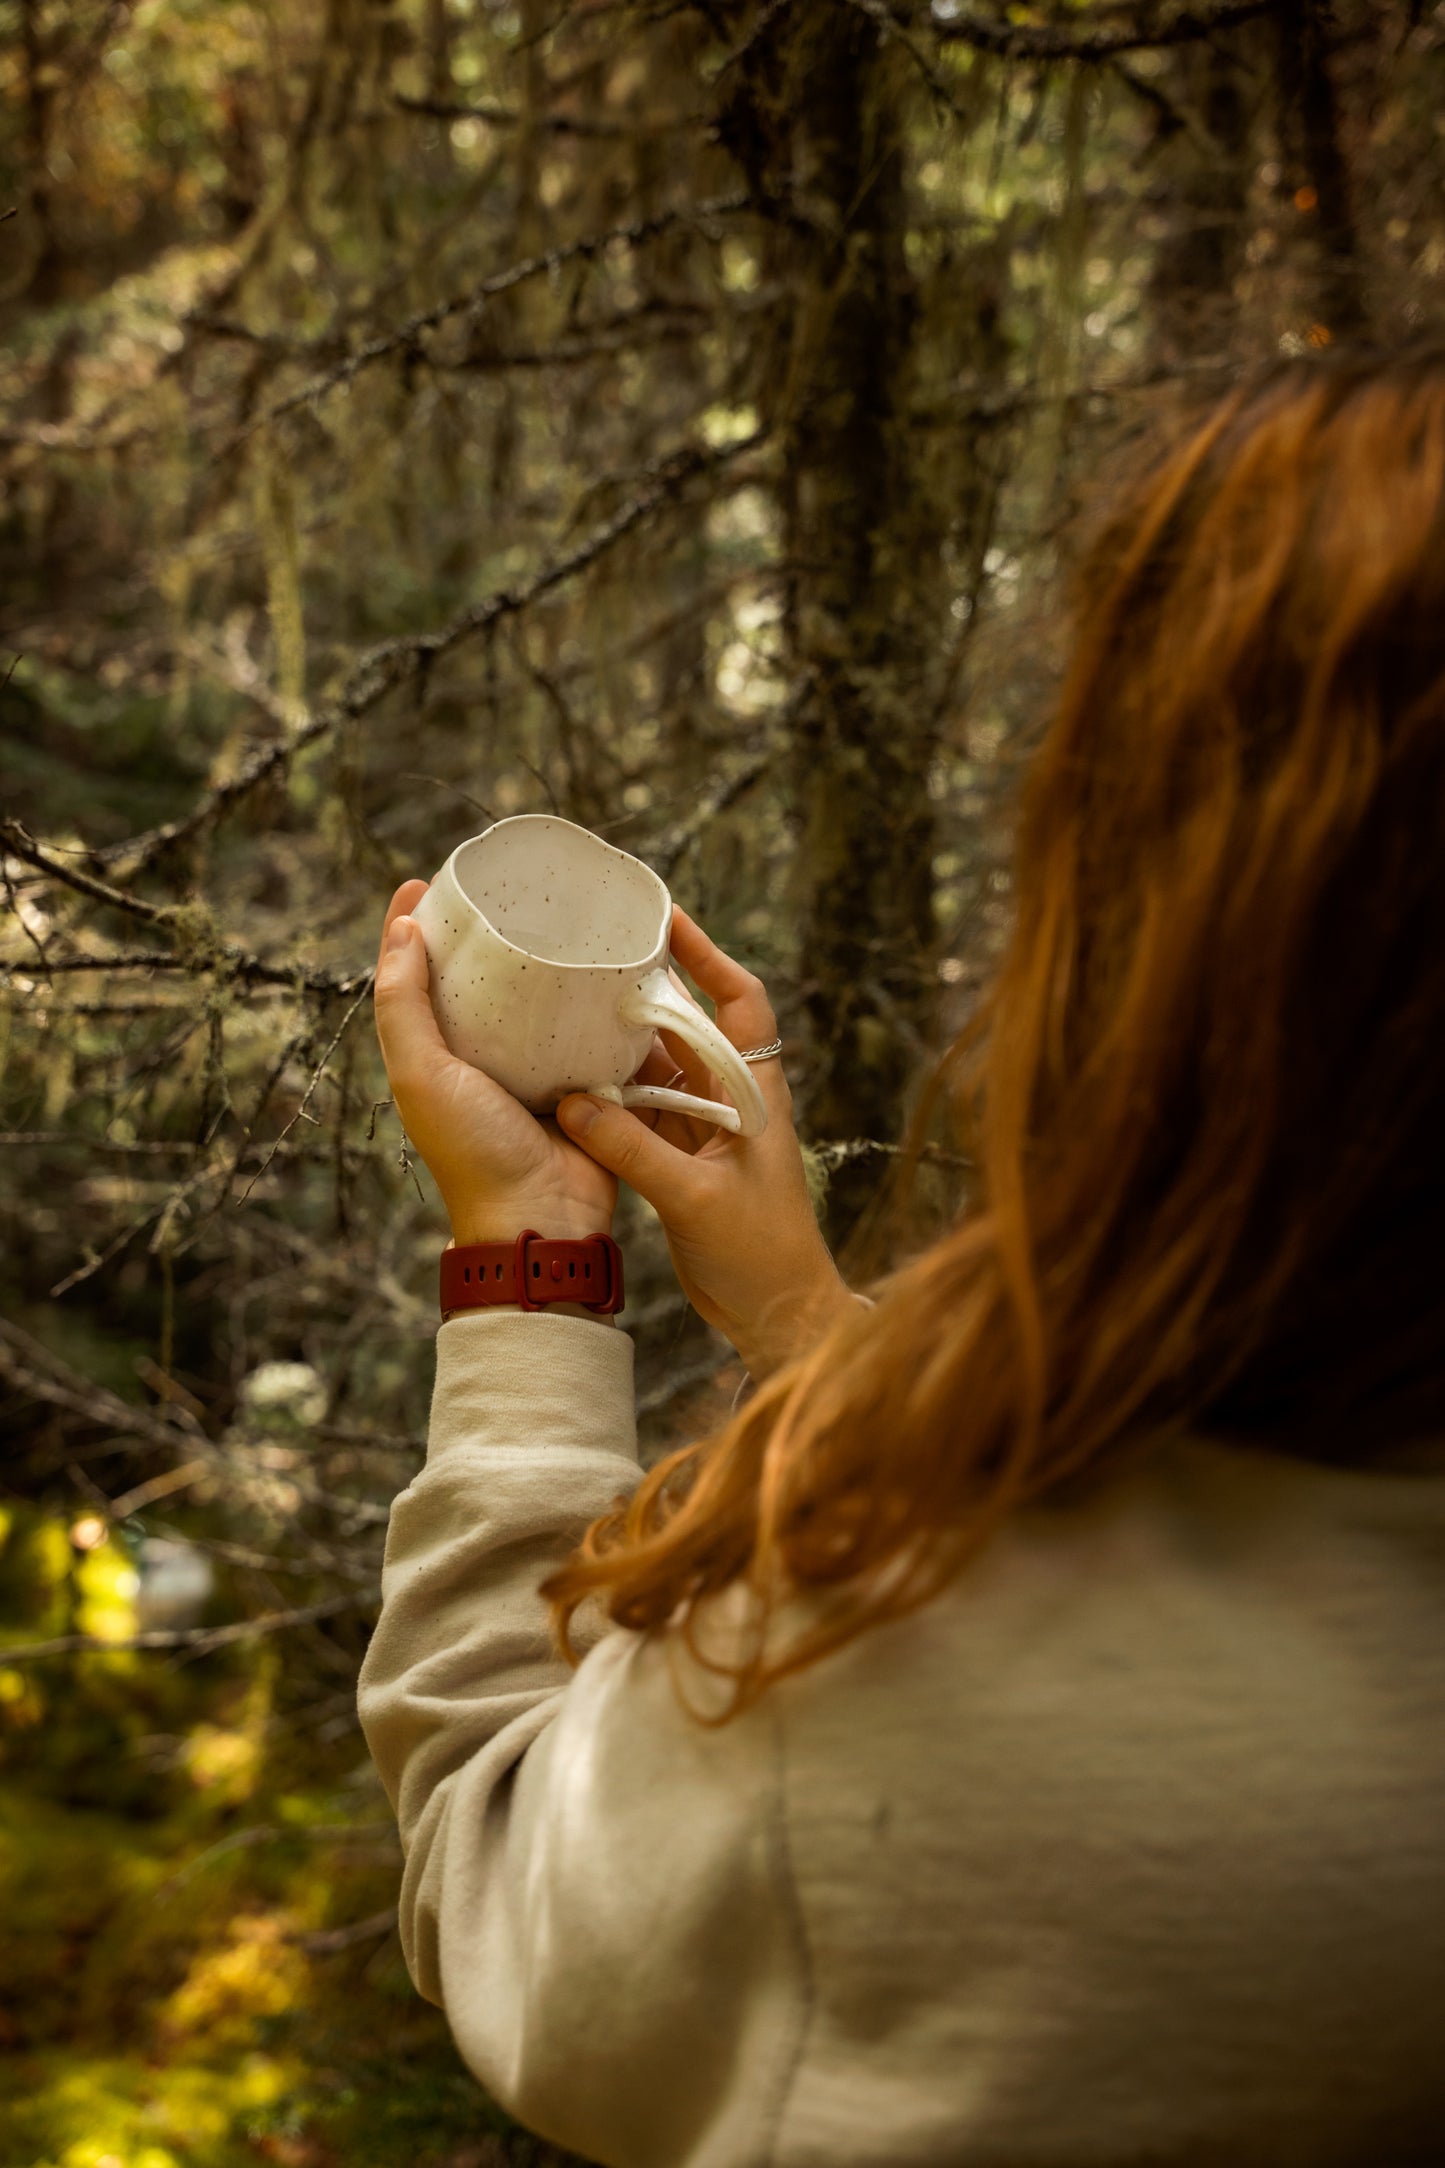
548 951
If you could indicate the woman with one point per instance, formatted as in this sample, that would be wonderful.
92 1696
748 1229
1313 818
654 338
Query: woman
1016 1739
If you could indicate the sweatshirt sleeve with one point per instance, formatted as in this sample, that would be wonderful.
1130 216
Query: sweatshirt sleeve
533 1435
595 1886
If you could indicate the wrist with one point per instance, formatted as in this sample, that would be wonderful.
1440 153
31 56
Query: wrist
793 1324
552 1222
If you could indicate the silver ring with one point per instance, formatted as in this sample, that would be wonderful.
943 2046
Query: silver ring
762 1053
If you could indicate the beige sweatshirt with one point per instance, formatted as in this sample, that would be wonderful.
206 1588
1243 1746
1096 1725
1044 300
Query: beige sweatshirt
1129 1849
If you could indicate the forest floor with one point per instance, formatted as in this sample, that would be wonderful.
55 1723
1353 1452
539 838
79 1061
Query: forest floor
175 2005
199 1966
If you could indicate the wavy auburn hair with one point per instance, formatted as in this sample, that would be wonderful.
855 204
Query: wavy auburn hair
1206 1095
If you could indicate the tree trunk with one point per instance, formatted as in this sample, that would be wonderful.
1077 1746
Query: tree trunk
1203 174
820 122
1316 166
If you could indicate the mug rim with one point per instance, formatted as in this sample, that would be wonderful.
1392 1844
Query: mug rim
557 820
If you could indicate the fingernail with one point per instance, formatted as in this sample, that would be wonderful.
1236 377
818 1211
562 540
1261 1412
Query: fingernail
578 1114
400 933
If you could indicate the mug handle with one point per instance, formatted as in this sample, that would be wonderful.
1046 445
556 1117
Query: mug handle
658 1003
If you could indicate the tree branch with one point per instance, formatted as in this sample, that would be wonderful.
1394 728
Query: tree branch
196 1640
24 846
1155 26
311 1088
405 336
506 116
393 662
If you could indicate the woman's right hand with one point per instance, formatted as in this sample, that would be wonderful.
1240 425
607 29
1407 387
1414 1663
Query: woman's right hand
740 1225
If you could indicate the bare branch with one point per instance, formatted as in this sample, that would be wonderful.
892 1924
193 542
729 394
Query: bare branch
237 963
724 790
404 337
767 16
311 1088
24 846
393 662
138 1147
890 26
1154 26
577 124
326 1941
671 1388
842 1152
195 1640
25 1364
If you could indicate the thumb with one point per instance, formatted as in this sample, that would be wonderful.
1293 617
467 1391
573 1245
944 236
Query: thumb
618 1141
405 1021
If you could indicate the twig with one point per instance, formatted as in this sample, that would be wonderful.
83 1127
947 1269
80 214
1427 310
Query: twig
24 846
34 1370
506 116
242 1840
18 914
440 782
159 1486
249 969
311 1088
392 662
140 1147
766 17
724 790
325 1942
404 338
729 784
841 1152
157 1212
1154 27
702 1372
890 26
195 1640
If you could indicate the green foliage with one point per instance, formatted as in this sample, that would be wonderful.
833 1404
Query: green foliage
212 2038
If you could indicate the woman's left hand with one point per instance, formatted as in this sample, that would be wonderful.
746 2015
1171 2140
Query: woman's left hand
499 1168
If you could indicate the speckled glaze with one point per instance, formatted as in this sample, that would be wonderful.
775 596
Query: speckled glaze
548 951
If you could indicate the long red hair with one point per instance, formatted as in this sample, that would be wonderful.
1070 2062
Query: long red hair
1206 1095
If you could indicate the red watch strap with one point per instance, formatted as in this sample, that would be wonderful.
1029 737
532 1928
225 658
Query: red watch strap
533 1272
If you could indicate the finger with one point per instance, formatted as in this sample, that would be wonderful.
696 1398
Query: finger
744 1013
402 904
739 995
668 1178
411 1039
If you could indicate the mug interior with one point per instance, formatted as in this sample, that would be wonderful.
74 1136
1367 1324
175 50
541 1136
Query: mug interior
561 894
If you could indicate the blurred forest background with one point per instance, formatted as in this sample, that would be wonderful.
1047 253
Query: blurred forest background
674 413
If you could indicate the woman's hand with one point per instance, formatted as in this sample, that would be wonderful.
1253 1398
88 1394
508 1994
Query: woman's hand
499 1168
743 1235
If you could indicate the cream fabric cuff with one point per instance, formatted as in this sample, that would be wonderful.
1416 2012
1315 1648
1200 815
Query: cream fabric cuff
507 1378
